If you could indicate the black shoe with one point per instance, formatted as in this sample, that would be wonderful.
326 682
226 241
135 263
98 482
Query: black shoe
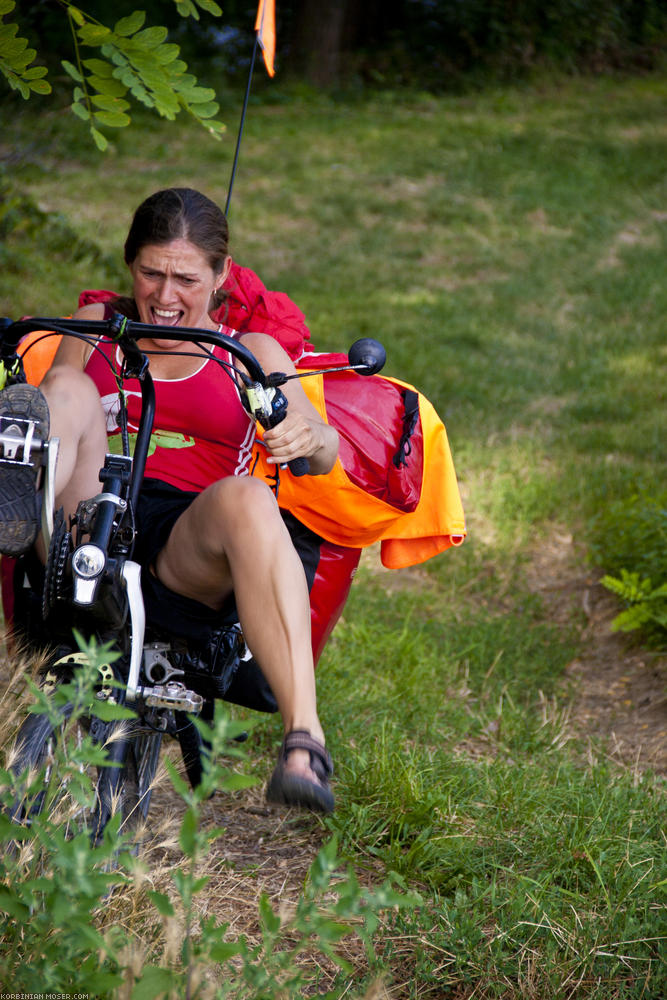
24 418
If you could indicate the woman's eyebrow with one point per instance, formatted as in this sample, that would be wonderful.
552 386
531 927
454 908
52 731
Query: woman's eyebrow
176 274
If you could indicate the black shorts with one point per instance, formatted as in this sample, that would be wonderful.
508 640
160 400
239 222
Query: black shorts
158 508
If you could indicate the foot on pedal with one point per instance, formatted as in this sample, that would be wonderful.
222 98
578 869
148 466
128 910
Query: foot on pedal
24 422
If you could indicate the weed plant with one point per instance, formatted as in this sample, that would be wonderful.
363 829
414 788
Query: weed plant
508 248
55 883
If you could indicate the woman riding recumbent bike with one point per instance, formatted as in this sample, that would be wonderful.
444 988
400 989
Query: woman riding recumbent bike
90 580
212 544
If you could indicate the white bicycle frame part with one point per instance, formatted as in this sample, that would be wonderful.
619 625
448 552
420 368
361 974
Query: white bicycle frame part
49 497
131 574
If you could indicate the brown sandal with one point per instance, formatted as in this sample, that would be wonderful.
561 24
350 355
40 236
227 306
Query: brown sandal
295 790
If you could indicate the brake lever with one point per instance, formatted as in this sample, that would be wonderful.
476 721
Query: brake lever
269 408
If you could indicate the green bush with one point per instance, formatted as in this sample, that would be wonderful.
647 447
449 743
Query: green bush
630 541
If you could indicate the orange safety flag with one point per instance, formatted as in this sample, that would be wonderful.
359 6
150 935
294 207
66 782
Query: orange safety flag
265 26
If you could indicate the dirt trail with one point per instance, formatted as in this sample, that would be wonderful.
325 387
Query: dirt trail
620 690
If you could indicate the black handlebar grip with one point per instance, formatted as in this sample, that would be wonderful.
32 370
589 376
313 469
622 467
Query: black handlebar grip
299 466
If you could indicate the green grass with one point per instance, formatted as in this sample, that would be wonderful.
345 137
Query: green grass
508 248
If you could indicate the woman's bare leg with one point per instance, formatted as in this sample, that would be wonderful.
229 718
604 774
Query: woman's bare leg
77 419
233 538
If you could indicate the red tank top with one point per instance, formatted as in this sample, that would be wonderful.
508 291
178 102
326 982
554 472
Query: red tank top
201 433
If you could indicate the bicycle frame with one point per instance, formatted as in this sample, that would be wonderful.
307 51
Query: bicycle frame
123 478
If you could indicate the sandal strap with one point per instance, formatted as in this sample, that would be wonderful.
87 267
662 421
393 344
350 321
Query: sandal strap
300 739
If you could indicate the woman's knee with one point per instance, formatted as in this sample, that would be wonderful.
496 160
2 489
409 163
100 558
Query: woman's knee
65 385
76 410
244 506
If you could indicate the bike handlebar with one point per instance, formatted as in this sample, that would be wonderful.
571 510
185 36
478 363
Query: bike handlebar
123 330
126 332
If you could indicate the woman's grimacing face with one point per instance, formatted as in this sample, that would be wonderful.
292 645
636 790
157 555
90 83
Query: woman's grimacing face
173 285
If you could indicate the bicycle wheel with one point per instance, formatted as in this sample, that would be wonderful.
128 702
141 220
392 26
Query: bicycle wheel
43 779
130 790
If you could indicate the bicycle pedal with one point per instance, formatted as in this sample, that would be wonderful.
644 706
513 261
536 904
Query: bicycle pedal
20 443
172 695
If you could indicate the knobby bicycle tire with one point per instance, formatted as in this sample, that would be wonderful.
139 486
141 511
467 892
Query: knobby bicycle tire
126 790
34 748
134 787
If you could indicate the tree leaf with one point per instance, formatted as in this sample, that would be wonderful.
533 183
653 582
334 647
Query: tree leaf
197 95
112 119
80 111
93 34
187 9
166 53
35 73
7 32
150 38
100 140
111 88
76 15
98 67
109 103
210 6
71 71
40 86
130 25
206 110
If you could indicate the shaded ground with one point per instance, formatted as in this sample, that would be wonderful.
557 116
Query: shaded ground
620 690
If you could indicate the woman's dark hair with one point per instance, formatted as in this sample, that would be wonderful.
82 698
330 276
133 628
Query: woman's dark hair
180 214
177 214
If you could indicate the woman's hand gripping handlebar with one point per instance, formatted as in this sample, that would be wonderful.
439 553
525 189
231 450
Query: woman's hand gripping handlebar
269 405
269 408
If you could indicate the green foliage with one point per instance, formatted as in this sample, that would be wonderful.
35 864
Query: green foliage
646 604
137 62
51 877
188 8
630 539
16 57
56 887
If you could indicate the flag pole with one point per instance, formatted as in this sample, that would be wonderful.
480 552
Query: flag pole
242 123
